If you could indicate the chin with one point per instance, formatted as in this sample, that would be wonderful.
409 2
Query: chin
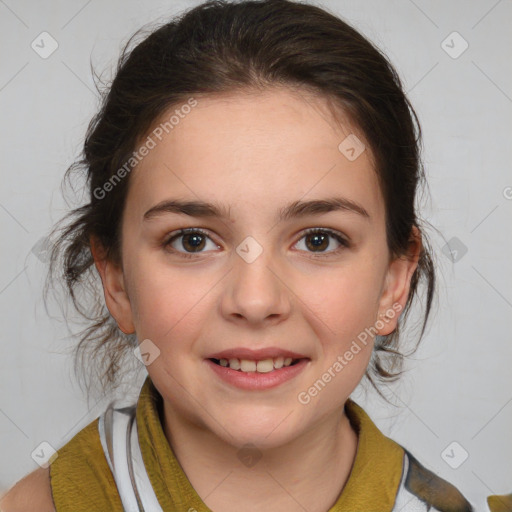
266 430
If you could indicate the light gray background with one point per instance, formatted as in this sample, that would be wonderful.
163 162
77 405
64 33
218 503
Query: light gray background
460 384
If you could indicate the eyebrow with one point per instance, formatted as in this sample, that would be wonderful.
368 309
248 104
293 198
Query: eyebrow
295 209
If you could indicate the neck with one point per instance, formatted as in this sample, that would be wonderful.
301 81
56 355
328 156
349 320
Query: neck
285 478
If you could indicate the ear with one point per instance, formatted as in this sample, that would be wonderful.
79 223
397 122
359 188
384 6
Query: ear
112 278
397 285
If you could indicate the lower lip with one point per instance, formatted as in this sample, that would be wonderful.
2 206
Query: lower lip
256 380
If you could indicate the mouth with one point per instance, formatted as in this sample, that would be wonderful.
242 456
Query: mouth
263 359
266 365
257 375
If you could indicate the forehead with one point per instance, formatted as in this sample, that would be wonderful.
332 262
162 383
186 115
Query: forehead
253 148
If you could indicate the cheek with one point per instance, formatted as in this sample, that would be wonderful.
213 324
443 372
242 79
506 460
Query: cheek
343 307
346 298
167 303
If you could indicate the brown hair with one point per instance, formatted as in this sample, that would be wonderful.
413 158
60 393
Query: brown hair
224 47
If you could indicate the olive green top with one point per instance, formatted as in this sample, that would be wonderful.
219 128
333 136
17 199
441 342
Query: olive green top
81 479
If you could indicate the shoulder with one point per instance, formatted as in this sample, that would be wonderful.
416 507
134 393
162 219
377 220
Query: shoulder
431 489
31 493
78 479
81 479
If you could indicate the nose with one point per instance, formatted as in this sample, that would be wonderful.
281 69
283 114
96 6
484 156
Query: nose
256 291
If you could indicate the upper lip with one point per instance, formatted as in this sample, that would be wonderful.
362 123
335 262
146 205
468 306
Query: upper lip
256 355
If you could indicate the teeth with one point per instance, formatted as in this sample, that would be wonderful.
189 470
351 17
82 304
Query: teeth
234 364
262 366
267 365
247 366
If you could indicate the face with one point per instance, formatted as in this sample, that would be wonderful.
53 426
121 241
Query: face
251 276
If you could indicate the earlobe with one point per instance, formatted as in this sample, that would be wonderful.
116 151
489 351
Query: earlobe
112 278
398 284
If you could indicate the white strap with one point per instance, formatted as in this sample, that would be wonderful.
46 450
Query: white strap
107 450
405 500
146 492
119 439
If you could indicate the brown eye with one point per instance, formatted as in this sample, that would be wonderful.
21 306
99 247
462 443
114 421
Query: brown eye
193 242
189 241
319 240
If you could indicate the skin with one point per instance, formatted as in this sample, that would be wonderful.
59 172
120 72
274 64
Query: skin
31 494
256 153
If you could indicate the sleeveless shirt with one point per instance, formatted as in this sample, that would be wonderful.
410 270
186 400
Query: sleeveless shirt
385 477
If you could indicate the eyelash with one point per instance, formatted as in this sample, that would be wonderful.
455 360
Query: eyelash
339 238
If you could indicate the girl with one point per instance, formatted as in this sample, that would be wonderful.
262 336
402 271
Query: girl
252 177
